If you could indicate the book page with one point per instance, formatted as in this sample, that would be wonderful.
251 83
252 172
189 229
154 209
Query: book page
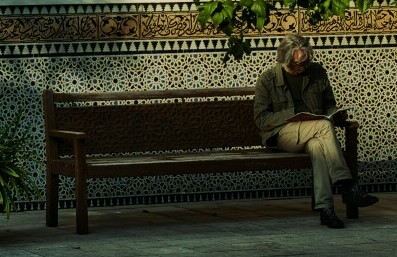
305 116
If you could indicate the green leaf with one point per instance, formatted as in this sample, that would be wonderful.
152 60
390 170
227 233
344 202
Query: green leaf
10 172
210 7
304 3
228 10
5 200
217 19
226 58
205 12
246 3
226 15
259 8
339 7
203 18
260 22
289 2
247 47
227 28
364 5
326 4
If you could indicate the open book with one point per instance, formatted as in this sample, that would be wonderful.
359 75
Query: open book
304 116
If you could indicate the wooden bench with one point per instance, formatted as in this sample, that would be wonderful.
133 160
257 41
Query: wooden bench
169 132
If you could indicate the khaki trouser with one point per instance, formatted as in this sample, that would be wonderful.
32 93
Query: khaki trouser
318 138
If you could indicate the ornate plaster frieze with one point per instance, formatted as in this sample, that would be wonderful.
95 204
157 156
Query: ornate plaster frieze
155 25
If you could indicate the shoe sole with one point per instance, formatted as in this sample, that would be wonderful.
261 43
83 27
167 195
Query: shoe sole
334 227
364 205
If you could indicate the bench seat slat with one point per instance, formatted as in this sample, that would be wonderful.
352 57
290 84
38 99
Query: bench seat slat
185 163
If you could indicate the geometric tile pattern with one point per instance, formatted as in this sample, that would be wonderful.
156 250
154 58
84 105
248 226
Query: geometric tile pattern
368 89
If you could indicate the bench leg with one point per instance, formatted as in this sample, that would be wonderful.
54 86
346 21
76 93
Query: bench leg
351 211
81 206
313 203
52 186
81 188
351 135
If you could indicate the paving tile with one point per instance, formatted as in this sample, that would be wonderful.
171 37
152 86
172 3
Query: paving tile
284 227
7 252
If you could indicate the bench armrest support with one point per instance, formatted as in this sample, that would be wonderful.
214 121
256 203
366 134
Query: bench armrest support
351 135
66 134
79 172
351 142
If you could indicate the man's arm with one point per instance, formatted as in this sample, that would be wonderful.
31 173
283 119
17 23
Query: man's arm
266 117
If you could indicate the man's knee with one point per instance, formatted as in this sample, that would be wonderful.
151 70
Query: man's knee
325 129
314 145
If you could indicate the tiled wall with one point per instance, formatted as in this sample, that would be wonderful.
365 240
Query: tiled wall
104 47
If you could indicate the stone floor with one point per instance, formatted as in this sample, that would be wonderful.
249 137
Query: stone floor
282 227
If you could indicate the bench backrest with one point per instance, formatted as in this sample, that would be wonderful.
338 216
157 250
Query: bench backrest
181 123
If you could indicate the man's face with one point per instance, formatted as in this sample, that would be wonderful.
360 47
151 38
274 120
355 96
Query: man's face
300 61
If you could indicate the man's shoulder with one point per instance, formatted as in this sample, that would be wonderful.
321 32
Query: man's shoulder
317 69
269 73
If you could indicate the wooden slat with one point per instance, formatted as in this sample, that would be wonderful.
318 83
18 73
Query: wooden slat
158 94
160 127
187 163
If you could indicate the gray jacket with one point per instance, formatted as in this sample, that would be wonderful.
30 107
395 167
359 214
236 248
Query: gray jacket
273 100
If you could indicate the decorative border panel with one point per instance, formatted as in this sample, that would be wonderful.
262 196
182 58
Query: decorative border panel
179 46
38 26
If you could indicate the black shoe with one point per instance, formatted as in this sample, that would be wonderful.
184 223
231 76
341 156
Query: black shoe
356 197
329 218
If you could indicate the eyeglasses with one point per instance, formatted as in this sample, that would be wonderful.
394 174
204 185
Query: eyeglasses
303 64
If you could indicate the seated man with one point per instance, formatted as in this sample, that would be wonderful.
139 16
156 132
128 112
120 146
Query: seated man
294 85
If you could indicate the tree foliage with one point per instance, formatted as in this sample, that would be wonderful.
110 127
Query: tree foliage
231 17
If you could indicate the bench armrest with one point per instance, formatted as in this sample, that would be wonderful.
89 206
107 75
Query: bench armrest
78 139
67 134
348 125
351 144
